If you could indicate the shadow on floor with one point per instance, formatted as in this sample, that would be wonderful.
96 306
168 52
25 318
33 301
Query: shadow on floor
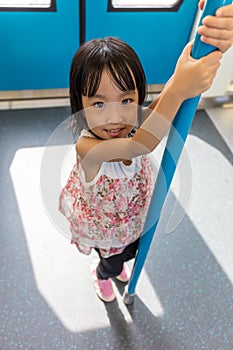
205 130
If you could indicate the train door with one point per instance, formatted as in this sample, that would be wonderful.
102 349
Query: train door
38 40
156 29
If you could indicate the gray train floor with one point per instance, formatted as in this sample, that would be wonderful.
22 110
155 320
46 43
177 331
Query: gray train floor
184 295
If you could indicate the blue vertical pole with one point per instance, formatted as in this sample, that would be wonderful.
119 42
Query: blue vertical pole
175 142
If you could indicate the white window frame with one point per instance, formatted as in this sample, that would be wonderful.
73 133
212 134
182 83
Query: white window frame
144 5
27 5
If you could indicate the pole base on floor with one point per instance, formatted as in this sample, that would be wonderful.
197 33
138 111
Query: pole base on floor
128 299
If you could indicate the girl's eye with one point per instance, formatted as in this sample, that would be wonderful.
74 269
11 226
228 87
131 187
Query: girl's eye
99 104
127 101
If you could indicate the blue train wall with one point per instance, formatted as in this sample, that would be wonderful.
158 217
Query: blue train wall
157 37
37 47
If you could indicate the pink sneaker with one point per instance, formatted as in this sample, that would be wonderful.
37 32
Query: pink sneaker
103 288
124 276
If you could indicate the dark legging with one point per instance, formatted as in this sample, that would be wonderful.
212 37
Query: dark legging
112 266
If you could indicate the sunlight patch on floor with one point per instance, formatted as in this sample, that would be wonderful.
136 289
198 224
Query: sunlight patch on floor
61 273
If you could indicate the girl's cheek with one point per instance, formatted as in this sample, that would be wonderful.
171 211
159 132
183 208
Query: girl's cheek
94 117
131 114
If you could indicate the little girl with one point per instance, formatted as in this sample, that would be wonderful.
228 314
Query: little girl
108 192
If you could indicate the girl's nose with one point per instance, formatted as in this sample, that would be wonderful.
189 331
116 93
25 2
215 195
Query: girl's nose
114 113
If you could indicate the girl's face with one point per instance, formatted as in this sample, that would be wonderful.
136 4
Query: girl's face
111 112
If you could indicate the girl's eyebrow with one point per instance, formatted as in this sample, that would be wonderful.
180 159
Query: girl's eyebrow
124 93
97 96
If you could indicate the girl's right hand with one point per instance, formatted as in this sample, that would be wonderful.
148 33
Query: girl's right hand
192 77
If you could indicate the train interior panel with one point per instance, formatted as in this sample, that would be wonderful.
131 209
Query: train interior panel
184 295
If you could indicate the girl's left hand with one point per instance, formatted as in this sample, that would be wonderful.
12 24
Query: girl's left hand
218 30
194 76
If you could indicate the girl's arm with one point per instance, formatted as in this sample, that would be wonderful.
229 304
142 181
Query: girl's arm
191 78
216 31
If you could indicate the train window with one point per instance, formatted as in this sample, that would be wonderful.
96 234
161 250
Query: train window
27 5
140 5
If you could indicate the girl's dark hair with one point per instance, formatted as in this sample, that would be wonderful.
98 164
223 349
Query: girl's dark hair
112 54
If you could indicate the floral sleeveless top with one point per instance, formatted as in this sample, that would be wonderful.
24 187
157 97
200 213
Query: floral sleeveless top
110 211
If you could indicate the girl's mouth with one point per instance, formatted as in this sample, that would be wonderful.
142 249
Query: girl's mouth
113 132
